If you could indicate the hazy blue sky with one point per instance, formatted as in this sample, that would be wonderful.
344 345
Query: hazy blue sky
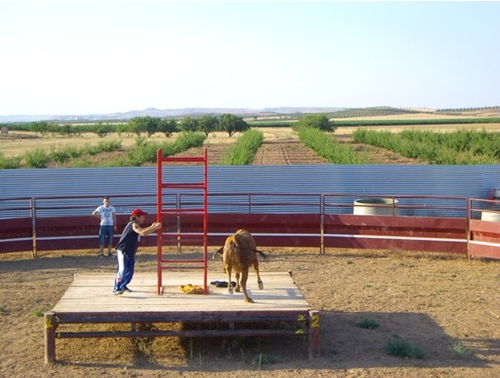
112 56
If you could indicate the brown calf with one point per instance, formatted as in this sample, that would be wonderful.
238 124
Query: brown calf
239 253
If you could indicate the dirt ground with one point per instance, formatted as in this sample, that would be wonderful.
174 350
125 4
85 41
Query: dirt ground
447 306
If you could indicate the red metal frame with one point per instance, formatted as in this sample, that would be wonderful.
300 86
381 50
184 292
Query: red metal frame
163 213
327 222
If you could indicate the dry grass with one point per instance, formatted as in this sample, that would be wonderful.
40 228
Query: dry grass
18 142
447 305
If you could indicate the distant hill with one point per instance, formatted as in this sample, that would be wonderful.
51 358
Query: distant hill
192 112
339 112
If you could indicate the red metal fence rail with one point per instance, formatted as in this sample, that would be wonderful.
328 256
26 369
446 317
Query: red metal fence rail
419 223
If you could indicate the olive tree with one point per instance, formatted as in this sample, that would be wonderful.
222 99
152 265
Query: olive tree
232 124
102 130
147 124
208 124
42 127
318 121
189 124
167 126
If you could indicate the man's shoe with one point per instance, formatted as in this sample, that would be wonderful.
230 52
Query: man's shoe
110 255
101 256
127 289
118 292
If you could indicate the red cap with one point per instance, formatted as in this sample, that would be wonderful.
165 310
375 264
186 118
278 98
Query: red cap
138 213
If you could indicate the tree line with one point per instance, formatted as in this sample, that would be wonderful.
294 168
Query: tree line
147 125
139 126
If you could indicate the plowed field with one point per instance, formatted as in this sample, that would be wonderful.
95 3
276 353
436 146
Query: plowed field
281 146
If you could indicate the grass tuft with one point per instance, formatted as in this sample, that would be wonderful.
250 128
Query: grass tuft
402 348
262 359
458 349
367 324
37 313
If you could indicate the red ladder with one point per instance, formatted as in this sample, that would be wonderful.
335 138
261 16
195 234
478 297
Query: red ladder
177 213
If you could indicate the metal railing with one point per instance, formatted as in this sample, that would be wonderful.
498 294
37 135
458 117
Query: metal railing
33 214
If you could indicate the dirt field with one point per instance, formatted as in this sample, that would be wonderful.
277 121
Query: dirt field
445 306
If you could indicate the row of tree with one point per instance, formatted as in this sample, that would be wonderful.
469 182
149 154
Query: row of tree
148 125
229 123
468 109
370 112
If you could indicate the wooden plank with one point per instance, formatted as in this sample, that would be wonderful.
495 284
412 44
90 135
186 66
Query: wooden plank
93 293
90 300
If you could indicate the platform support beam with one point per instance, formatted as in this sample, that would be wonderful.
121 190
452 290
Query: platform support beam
50 337
314 329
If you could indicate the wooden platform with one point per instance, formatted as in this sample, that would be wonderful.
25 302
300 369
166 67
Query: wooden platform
90 299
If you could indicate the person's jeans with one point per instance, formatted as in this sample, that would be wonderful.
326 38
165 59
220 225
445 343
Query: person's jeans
124 271
106 232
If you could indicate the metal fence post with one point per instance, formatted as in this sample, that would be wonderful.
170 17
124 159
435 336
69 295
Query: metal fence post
33 225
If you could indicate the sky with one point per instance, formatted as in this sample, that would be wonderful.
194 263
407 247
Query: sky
99 57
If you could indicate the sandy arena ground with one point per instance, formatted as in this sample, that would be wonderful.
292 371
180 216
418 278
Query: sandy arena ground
446 305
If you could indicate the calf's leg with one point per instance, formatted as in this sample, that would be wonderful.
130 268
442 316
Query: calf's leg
244 277
259 281
230 288
238 286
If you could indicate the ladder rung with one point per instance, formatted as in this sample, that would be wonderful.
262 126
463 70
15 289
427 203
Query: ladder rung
182 261
183 234
192 242
181 267
179 239
175 244
192 238
183 211
184 158
187 185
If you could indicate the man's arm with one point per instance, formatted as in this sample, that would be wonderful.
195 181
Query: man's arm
148 230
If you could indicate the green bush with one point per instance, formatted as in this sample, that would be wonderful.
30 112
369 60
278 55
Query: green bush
401 348
9 163
36 158
316 121
243 152
186 141
145 152
81 162
461 147
367 324
326 147
109 146
62 154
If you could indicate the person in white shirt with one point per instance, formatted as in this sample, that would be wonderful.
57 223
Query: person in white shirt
107 214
